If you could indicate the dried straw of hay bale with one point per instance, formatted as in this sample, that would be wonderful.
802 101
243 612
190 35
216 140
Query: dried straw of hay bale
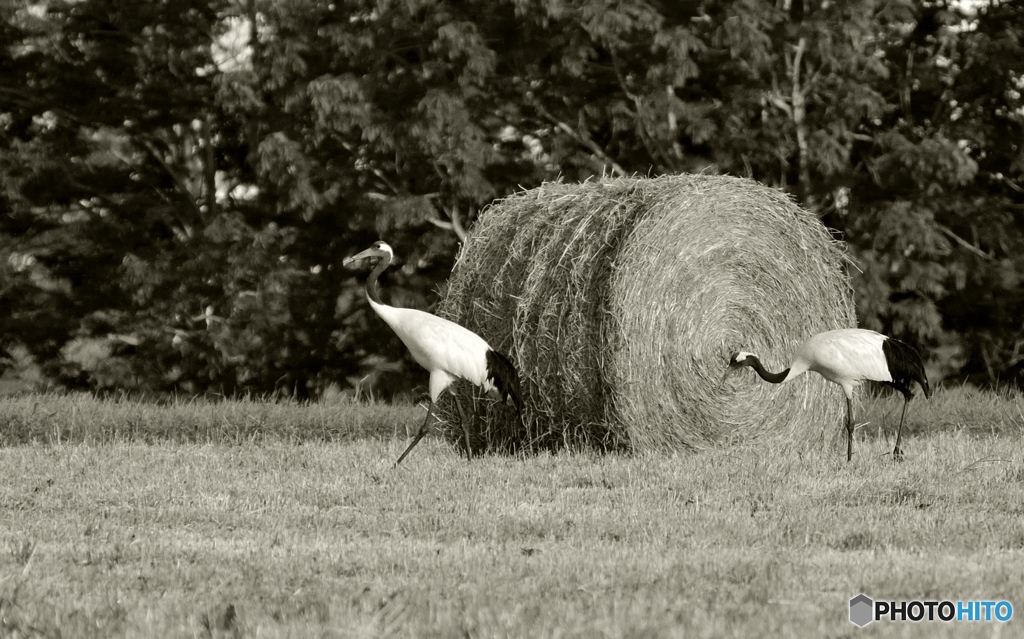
620 301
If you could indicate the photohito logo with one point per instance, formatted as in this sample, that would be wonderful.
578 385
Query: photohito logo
864 610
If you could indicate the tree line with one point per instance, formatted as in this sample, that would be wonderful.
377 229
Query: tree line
180 180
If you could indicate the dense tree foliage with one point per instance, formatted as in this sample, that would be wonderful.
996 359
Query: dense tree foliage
180 180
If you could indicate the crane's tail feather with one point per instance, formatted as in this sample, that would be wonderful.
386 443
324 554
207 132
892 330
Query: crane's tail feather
502 373
905 366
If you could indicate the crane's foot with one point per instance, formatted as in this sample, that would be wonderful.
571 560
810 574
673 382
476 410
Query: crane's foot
897 454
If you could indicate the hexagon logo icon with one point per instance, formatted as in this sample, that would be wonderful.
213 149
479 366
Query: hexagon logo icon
861 610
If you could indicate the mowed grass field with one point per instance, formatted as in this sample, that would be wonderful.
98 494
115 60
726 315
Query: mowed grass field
252 519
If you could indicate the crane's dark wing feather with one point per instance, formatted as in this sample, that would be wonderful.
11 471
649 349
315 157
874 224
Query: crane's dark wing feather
502 373
905 366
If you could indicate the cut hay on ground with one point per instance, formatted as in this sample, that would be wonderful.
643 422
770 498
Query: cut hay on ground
620 301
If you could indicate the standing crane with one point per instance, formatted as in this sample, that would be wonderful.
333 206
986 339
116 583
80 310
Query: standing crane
848 357
448 351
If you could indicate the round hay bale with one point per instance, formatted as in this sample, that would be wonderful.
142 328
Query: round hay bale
620 301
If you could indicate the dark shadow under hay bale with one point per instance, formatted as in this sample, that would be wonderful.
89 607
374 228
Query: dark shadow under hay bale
620 302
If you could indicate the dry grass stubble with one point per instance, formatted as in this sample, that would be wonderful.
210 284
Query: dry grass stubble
279 538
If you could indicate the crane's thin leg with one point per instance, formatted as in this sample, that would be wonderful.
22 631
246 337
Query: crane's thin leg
897 453
419 435
849 428
465 429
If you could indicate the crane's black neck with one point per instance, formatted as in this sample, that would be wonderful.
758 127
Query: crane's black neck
371 282
774 378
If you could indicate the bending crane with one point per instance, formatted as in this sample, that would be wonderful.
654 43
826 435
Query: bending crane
848 357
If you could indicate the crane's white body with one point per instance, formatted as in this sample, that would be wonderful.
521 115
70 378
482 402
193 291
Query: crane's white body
448 351
846 356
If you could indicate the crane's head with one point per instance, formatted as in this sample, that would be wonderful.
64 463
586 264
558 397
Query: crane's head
378 249
737 361
742 358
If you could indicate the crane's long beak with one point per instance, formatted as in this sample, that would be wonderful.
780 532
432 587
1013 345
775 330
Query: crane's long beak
728 373
358 256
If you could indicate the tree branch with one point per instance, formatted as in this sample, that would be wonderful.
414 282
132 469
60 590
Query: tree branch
799 104
178 182
580 138
454 226
775 98
209 168
457 224
962 242
650 141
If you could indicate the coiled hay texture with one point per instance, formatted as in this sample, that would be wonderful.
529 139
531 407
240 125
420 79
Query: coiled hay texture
620 301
